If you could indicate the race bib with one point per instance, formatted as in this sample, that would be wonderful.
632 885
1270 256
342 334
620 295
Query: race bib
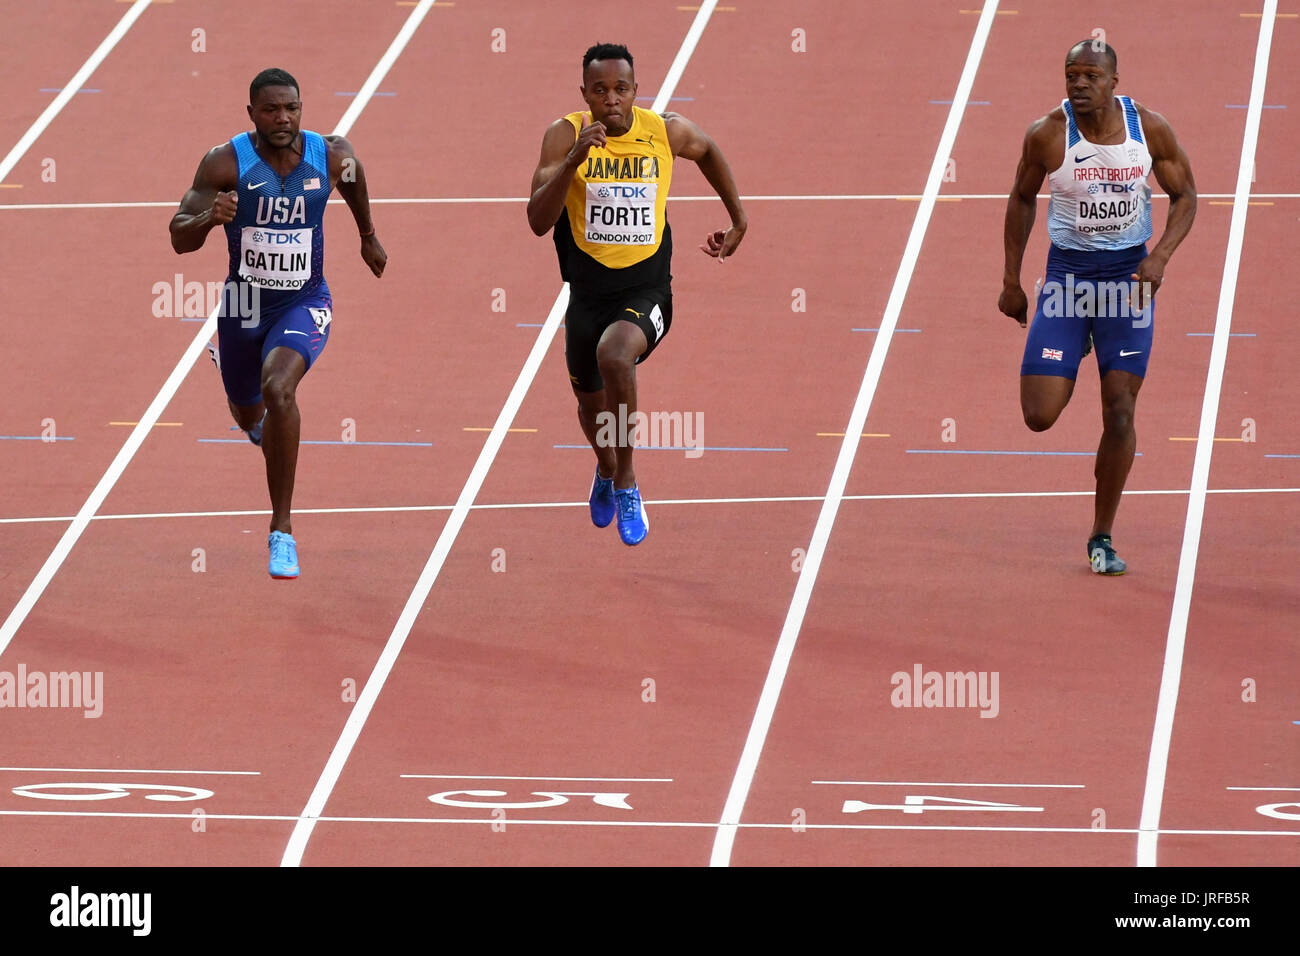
621 214
1109 213
275 258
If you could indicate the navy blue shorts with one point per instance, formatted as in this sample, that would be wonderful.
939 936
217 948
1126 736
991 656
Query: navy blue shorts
302 325
1089 293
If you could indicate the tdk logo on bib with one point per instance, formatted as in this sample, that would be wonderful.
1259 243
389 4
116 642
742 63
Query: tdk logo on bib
1094 188
622 192
278 238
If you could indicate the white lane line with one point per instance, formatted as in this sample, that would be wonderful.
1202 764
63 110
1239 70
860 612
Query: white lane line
196 348
204 773
1266 789
401 630
482 776
485 200
894 783
1171 674
70 88
758 729
667 824
659 502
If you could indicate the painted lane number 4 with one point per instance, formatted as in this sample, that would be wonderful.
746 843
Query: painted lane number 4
917 803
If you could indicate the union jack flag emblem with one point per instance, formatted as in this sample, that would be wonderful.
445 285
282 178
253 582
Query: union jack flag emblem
1054 354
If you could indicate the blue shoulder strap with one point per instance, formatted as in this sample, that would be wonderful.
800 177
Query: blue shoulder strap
1131 119
314 151
248 157
1071 130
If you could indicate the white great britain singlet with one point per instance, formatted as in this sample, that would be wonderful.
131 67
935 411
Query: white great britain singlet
1100 195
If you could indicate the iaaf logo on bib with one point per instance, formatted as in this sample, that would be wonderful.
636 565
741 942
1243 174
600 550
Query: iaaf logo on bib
76 908
948 689
679 430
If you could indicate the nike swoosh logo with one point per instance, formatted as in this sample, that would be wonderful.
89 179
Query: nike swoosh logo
258 185
1123 354
296 332
639 315
1084 159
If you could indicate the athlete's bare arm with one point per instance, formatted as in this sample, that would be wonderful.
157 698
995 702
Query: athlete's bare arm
349 178
211 201
1174 174
1044 149
687 140
563 152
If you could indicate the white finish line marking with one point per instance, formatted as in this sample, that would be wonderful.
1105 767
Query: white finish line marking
475 776
893 783
779 499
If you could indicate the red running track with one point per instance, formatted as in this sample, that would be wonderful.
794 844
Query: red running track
531 655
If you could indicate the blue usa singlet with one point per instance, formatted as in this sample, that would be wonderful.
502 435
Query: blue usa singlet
276 239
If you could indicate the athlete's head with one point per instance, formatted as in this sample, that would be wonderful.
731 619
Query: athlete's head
609 86
1091 72
275 107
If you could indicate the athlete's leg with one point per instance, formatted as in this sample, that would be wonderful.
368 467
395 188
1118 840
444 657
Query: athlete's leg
281 373
621 344
291 347
246 416
1124 341
590 406
1043 398
1118 443
1053 349
239 365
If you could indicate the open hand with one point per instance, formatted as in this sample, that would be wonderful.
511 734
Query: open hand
720 244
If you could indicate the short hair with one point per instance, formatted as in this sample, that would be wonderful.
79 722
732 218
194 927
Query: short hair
271 77
605 51
1092 45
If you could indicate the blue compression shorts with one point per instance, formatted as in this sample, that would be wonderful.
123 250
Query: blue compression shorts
1083 293
302 325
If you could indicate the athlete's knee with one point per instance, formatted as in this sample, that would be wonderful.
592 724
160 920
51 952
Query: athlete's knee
278 391
615 358
1039 419
1117 414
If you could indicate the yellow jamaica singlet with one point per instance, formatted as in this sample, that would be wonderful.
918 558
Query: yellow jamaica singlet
613 234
